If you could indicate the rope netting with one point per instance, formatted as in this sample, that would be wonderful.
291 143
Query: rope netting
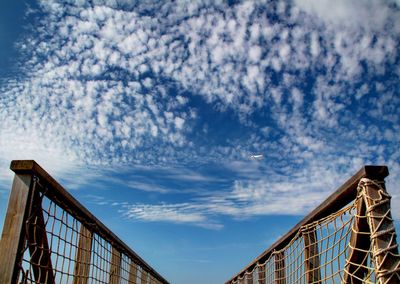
58 248
344 247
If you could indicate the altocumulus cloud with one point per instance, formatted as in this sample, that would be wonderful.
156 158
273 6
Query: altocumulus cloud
115 82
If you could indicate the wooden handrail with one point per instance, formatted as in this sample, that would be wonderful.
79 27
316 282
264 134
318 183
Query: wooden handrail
340 198
78 211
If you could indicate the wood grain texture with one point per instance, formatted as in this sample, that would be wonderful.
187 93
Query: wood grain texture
313 273
133 269
83 256
280 275
383 235
38 244
261 275
13 228
115 268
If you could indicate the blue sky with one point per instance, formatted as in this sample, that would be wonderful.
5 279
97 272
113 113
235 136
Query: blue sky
148 113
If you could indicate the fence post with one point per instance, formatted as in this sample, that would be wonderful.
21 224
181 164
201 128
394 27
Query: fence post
133 273
144 277
373 232
385 251
13 230
249 278
355 268
115 266
261 274
280 277
311 256
36 237
83 255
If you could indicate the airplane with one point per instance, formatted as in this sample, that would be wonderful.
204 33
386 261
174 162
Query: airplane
257 157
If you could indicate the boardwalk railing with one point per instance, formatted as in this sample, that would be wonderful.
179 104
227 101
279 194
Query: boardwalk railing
49 237
349 238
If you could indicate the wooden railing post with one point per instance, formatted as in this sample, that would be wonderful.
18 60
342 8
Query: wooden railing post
373 233
115 267
133 273
144 277
249 278
355 268
261 274
37 239
313 273
13 230
280 277
152 280
83 255
384 247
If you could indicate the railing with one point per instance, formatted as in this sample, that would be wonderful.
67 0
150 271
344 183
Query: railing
49 237
349 238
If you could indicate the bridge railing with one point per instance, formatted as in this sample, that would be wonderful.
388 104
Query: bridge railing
349 238
49 237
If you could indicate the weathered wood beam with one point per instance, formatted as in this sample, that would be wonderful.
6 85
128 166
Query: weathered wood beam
83 256
115 267
261 274
36 237
354 270
280 273
384 247
13 234
144 276
313 273
133 269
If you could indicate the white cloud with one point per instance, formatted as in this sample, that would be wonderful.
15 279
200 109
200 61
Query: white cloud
315 48
103 84
370 15
255 53
179 122
175 213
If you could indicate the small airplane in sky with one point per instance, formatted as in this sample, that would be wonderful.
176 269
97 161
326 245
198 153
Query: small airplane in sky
257 157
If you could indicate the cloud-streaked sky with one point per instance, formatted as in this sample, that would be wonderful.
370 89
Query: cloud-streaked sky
149 112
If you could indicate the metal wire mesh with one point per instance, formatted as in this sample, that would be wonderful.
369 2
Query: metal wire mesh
58 248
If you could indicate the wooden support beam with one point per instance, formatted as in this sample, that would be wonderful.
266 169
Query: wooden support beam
249 278
37 240
354 270
280 275
313 273
385 251
261 274
115 268
144 276
152 280
83 256
133 269
13 234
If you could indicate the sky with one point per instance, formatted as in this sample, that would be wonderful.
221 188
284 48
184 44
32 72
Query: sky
148 112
